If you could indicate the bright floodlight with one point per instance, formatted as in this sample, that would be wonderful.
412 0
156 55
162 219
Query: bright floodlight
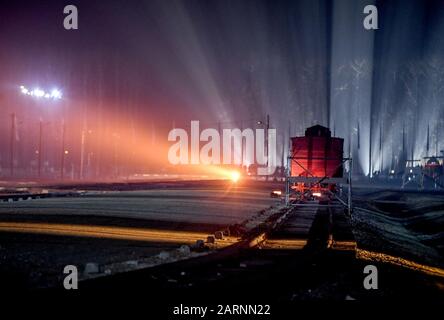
39 93
234 176
56 94
24 90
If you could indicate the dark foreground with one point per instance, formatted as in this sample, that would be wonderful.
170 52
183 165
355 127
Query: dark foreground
298 261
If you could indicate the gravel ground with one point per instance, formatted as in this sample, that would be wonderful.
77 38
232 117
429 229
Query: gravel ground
192 205
401 224
34 261
37 260
404 224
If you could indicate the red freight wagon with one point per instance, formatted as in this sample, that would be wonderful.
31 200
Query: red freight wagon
317 154
316 174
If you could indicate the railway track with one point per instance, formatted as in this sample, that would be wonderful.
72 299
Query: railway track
305 253
313 225
11 197
107 232
281 257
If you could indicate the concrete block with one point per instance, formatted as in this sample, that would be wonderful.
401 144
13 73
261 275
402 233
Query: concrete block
185 250
219 235
200 244
132 263
164 255
91 268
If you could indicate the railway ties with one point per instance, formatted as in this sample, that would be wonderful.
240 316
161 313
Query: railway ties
311 253
299 257
313 226
313 243
293 232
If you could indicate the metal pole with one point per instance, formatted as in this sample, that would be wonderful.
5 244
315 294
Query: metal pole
40 148
266 135
62 164
11 146
287 182
381 149
350 188
266 139
219 130
370 173
82 154
242 145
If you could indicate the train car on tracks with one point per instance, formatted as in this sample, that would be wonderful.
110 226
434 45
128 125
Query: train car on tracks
315 169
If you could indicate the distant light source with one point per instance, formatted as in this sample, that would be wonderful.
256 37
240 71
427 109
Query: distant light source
38 93
66 151
24 90
234 176
55 94
276 193
317 194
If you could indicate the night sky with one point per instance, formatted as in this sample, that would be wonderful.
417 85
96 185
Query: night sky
136 68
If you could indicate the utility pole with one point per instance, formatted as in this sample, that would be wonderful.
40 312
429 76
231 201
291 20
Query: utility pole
115 154
219 130
381 149
266 135
283 150
428 140
11 146
289 139
40 148
370 174
62 163
403 140
266 139
242 145
82 153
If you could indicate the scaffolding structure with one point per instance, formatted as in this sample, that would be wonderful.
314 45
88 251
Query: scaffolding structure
417 173
312 183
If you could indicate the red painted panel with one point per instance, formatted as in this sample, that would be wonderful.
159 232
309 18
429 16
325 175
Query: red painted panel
317 156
